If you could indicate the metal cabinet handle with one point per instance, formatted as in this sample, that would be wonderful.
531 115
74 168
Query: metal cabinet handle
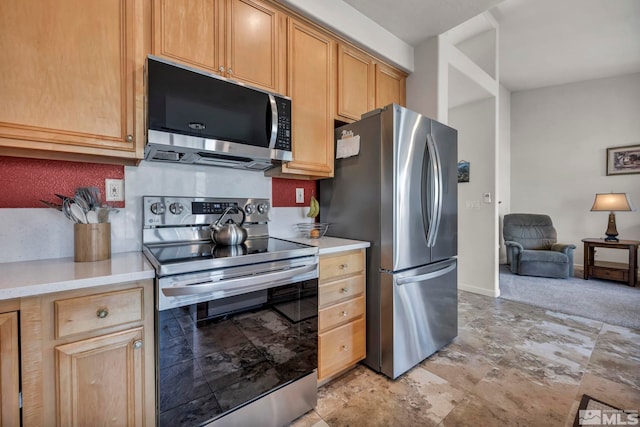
230 71
343 266
344 290
221 69
344 314
137 344
344 348
129 138
102 312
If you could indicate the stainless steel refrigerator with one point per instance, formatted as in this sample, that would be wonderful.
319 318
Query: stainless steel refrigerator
399 192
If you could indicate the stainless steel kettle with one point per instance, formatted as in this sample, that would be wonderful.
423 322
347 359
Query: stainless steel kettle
230 233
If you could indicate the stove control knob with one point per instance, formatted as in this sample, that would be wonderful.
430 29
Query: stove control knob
176 208
249 208
263 208
157 208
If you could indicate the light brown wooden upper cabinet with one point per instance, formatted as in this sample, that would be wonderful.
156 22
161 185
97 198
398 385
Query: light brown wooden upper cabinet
311 87
390 86
240 39
73 79
9 370
356 83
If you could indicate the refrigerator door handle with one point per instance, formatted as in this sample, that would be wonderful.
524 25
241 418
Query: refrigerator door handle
436 165
427 276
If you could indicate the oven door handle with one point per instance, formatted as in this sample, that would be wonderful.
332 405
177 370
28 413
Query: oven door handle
237 283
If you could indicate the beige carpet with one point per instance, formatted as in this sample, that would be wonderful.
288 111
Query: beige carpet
607 301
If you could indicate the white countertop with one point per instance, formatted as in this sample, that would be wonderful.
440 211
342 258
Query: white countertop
329 245
29 278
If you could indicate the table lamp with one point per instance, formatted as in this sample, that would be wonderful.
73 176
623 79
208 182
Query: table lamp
612 202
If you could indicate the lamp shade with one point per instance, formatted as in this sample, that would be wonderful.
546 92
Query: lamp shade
612 202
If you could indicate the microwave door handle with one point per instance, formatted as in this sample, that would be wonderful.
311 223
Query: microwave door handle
274 121
254 282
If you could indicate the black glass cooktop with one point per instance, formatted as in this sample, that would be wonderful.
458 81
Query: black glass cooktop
195 256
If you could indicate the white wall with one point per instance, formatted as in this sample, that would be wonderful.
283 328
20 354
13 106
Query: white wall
477 220
425 86
559 137
504 163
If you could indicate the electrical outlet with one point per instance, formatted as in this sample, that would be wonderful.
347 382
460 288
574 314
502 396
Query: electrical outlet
299 195
114 189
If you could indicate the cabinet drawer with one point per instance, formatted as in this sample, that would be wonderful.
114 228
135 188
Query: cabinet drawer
341 348
340 313
341 265
609 274
341 289
94 312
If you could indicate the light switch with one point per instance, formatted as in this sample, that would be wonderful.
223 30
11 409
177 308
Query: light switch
299 195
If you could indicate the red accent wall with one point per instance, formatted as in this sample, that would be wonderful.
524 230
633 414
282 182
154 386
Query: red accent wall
283 192
23 182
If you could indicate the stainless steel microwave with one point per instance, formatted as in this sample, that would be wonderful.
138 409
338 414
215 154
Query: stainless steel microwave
195 117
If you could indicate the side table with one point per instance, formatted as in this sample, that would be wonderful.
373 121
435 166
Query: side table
620 272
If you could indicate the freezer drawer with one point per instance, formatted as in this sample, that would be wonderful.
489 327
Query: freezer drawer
419 315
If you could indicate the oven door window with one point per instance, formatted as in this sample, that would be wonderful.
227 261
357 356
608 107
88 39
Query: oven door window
218 355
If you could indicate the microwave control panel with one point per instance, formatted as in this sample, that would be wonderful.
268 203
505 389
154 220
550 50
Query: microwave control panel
283 139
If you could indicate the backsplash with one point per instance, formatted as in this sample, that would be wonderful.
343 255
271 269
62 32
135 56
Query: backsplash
34 233
25 182
284 192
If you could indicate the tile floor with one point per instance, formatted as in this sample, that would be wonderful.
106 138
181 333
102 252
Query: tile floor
511 365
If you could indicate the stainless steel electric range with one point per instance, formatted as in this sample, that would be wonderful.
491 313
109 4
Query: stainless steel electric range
236 326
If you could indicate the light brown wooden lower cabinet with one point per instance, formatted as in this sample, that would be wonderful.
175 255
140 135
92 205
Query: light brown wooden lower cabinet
88 357
100 380
9 373
341 316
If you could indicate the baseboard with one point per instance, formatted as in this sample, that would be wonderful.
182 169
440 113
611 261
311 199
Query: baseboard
478 290
578 271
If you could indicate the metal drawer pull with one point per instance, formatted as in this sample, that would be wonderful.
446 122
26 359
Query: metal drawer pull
221 69
343 266
344 314
137 344
344 348
102 312
344 290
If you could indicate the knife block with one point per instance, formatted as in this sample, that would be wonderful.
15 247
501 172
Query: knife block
92 242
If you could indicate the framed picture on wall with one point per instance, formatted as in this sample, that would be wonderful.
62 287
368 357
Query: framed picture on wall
463 171
623 160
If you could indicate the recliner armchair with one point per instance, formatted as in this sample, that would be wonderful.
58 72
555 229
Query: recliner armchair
532 248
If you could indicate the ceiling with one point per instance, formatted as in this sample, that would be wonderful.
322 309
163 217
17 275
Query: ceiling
542 42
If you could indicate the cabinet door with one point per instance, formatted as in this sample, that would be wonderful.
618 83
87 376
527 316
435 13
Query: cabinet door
9 370
356 83
311 86
254 43
100 379
190 31
390 86
72 77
